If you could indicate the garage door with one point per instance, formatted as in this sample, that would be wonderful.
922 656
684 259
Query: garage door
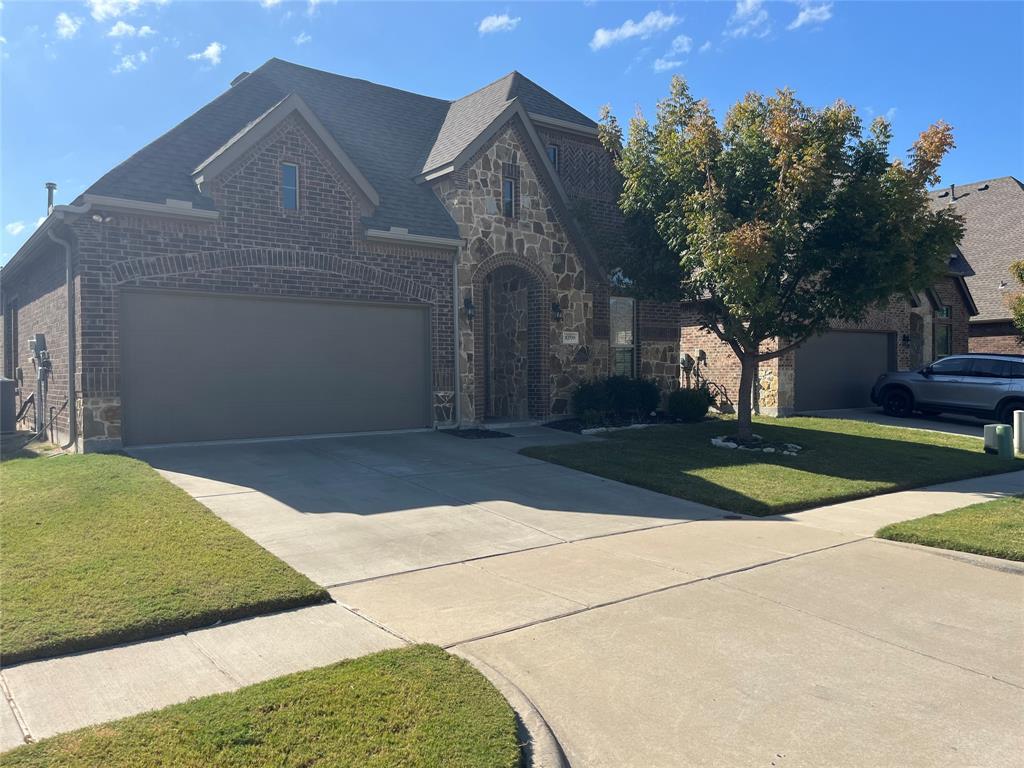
838 369
203 367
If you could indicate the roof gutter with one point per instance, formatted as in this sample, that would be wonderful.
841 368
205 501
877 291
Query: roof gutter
404 236
178 209
563 125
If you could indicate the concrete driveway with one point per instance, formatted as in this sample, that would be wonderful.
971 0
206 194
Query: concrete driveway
346 509
649 631
949 423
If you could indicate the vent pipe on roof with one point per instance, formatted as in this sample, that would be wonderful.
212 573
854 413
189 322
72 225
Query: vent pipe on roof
51 187
952 192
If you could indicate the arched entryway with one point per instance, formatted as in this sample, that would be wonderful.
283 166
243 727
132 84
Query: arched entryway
511 331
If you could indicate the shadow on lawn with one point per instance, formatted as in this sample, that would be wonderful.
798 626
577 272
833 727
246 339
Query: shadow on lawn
834 466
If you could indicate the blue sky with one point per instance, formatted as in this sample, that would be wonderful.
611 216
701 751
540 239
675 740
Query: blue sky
85 84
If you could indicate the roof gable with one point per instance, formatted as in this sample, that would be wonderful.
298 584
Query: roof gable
390 136
993 212
255 131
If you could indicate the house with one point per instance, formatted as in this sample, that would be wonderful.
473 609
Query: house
314 254
993 212
838 368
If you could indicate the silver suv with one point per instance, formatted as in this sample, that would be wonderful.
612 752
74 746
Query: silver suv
986 386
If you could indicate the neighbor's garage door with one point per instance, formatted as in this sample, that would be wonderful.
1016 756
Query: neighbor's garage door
205 367
838 369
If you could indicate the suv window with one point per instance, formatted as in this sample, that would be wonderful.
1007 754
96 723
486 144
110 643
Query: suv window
951 366
988 368
1014 370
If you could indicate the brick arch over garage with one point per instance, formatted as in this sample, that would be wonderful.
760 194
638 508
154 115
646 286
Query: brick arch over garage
541 291
159 267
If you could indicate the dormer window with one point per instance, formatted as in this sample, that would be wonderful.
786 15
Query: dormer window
553 154
289 186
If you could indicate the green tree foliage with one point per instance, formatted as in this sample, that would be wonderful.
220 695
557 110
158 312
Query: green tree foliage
1017 303
778 220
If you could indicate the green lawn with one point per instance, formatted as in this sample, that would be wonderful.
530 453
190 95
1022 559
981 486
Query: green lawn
841 460
993 528
100 549
411 707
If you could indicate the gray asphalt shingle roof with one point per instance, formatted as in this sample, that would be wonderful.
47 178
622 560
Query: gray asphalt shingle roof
993 212
391 135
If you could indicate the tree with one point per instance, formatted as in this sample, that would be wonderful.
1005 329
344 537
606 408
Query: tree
1017 302
778 221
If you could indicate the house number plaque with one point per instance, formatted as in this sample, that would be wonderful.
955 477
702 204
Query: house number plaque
570 337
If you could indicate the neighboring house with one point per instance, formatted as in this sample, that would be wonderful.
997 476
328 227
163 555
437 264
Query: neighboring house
310 253
993 212
838 368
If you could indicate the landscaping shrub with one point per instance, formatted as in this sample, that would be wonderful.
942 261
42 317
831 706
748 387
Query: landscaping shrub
591 397
616 397
689 405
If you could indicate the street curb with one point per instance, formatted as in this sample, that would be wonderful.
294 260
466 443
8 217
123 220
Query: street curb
540 747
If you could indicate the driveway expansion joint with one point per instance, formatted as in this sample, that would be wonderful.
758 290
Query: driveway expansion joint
876 638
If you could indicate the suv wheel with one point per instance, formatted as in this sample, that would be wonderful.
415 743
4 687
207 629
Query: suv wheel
1005 414
897 402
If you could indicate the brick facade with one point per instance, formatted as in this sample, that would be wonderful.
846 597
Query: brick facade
254 248
35 301
999 337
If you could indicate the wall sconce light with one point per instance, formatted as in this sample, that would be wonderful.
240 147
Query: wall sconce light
556 311
906 339
468 308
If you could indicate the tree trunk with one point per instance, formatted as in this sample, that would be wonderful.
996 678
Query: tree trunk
748 367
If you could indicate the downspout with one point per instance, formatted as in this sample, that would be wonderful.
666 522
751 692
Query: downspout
72 367
455 338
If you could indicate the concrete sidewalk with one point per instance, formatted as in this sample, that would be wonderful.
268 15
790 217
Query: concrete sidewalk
708 638
51 696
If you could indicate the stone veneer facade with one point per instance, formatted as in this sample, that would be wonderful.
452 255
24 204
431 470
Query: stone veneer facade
535 246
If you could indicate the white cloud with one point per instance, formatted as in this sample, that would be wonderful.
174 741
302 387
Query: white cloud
496 23
664 65
682 44
653 22
313 5
269 3
39 221
890 114
67 26
3 40
705 48
211 54
124 29
101 10
302 38
748 19
130 62
15 228
811 14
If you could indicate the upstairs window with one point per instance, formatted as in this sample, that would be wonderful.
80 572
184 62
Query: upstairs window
289 186
508 197
510 189
553 155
